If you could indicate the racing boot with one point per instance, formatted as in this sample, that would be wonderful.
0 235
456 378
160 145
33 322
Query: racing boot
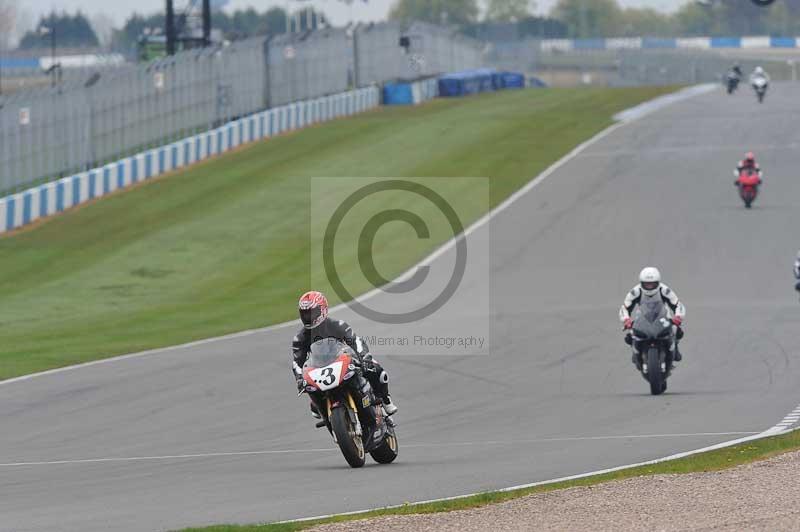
379 380
314 412
389 406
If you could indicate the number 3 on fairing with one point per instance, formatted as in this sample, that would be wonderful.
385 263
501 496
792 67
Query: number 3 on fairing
327 377
327 373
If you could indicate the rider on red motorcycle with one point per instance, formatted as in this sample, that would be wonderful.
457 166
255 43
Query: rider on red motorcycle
313 307
749 162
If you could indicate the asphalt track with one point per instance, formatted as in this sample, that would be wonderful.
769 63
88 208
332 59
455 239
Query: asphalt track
214 433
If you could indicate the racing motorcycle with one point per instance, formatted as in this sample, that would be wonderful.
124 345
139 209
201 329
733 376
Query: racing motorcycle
732 82
748 184
350 411
652 340
760 86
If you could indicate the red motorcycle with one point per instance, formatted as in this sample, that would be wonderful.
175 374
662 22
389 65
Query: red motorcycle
748 184
358 426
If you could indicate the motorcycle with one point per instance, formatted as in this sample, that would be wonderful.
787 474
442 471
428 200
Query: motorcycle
652 339
748 183
732 82
760 86
350 411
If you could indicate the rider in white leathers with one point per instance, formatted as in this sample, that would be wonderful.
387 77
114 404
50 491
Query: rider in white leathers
759 73
650 287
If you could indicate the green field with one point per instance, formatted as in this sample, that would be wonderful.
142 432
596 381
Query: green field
224 246
708 461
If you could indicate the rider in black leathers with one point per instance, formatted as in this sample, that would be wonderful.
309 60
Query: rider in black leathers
797 272
318 326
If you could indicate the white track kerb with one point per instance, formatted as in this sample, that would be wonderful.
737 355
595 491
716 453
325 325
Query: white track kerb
624 118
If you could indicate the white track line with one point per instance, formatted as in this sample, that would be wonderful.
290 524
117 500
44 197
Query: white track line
765 434
166 457
424 262
328 449
790 419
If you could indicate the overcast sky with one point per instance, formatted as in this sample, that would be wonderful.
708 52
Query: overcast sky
336 10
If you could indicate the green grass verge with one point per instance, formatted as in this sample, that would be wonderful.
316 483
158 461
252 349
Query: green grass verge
708 461
224 246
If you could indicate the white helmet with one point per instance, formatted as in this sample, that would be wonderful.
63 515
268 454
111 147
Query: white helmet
759 71
650 280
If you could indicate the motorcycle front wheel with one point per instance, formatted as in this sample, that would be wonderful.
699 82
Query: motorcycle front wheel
350 443
656 378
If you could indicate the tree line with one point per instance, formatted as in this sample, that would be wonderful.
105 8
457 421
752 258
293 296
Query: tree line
567 19
606 18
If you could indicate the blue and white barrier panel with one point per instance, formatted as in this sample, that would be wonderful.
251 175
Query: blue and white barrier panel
52 198
410 93
699 43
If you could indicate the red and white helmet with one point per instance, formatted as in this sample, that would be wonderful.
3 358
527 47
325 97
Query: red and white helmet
750 158
313 309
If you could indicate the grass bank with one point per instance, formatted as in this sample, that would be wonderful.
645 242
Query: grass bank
224 246
709 461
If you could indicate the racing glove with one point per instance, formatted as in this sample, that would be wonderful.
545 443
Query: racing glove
628 324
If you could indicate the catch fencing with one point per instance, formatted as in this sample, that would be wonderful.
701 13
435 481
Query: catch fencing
671 67
638 62
98 116
52 198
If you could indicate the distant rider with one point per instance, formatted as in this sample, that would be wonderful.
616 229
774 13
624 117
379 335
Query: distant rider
735 72
313 307
749 162
757 74
797 272
650 287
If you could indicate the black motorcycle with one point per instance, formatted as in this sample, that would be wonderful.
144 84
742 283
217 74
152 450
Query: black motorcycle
652 340
350 411
732 82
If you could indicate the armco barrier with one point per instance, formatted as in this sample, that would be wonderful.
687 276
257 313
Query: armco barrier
51 198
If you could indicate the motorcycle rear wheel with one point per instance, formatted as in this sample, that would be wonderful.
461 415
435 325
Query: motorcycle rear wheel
386 452
350 443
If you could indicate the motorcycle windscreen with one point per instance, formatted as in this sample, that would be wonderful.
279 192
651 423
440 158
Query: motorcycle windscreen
650 317
325 352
